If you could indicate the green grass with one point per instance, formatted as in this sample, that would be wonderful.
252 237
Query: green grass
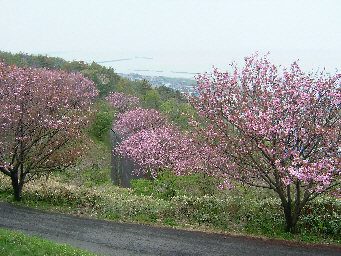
14 243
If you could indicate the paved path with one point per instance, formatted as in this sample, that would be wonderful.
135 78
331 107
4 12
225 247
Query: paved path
111 238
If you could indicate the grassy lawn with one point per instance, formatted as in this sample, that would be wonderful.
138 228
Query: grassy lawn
14 243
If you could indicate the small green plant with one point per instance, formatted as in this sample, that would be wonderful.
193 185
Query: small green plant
322 216
170 222
166 185
142 187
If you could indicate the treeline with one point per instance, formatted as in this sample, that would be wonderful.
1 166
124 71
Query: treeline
164 99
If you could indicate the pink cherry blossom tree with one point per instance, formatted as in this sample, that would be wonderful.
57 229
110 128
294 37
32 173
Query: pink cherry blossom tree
137 128
43 116
277 130
123 102
156 145
160 148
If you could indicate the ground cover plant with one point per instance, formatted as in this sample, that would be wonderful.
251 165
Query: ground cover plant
15 243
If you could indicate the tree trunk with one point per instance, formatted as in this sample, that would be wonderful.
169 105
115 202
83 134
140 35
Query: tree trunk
291 225
17 187
292 211
17 183
290 219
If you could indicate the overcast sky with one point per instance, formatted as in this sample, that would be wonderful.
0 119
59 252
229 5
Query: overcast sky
179 36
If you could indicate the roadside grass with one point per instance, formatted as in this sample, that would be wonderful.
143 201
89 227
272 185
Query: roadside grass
240 212
16 243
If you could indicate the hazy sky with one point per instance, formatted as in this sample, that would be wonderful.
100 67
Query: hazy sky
178 36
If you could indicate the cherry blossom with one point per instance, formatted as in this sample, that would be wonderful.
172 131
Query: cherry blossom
43 114
123 102
276 130
138 119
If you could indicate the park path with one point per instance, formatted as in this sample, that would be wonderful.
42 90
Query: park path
111 238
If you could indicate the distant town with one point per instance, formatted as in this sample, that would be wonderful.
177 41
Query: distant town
184 85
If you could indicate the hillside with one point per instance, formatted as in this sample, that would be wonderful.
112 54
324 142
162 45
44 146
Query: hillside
106 79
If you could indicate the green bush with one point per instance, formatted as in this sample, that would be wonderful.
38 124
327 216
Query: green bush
168 185
142 187
103 121
322 215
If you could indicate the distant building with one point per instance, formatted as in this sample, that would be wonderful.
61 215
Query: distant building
183 85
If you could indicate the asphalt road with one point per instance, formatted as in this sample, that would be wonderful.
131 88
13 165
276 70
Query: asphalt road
111 238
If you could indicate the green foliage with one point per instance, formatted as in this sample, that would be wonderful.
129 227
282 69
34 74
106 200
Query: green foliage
104 78
178 112
124 85
322 216
168 185
142 187
151 100
103 121
170 222
16 243
141 87
56 193
255 212
93 169
167 93
39 61
75 66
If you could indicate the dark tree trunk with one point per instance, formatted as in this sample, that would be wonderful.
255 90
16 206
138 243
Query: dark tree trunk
292 208
290 223
291 218
17 186
18 181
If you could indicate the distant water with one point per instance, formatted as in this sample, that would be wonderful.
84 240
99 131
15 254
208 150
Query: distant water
187 64
149 66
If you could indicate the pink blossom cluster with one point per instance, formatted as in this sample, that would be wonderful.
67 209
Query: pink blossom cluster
261 126
132 121
163 147
123 102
